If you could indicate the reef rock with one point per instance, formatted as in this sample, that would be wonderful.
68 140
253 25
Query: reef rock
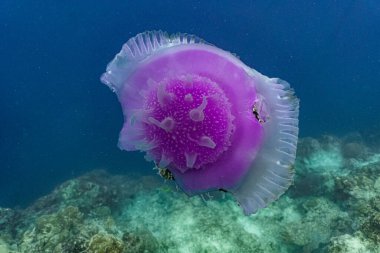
333 206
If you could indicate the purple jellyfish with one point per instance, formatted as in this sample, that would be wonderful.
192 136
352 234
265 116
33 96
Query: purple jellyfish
206 119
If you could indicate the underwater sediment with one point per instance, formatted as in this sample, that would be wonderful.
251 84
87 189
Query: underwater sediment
333 206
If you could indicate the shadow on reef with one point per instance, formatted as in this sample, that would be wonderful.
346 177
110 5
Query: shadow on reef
333 206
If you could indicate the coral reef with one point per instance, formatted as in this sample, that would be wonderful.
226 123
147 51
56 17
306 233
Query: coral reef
332 207
77 217
355 243
141 241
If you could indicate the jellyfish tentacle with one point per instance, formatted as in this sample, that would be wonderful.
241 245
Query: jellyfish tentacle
166 124
197 114
190 159
204 141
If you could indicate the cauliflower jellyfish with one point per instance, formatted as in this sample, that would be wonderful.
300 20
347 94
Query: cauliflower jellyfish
206 119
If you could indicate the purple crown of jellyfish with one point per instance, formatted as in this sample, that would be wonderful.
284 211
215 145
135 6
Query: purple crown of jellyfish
205 117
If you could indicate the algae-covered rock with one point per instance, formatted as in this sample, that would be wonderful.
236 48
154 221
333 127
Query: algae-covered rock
4 247
356 243
105 243
142 241
371 227
53 233
317 225
185 224
317 163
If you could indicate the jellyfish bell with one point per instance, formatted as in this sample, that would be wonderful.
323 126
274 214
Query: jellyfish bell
202 114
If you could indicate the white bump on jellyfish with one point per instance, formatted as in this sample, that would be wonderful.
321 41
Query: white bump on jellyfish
164 161
204 141
190 159
163 96
197 114
189 98
167 124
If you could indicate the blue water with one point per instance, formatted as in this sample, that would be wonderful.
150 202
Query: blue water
58 120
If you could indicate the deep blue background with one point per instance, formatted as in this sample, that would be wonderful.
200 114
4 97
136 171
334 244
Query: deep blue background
58 120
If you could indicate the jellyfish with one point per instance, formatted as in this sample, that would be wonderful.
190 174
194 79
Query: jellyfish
204 118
